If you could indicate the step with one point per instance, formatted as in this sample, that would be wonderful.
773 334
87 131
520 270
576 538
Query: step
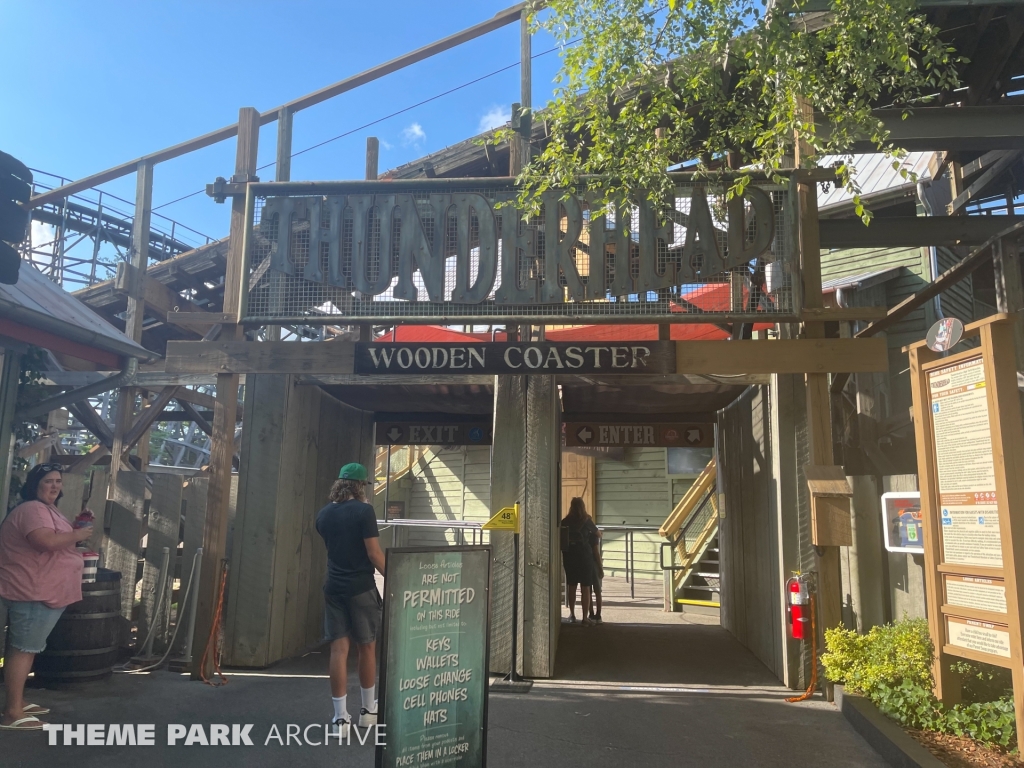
706 603
701 587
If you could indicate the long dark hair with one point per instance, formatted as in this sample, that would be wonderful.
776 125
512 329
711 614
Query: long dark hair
35 476
577 511
346 489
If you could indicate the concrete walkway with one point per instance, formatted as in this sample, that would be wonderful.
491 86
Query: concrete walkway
627 694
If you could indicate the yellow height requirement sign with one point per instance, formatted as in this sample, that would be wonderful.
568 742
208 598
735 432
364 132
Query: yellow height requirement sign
507 519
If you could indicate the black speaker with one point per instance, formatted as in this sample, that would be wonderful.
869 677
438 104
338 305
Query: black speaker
15 187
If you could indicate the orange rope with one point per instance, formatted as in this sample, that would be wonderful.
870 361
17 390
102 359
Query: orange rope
814 660
214 634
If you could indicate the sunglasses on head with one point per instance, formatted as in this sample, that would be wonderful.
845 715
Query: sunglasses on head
51 467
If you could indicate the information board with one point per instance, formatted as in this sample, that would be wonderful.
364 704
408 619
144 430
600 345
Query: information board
975 592
433 678
963 453
978 636
970 458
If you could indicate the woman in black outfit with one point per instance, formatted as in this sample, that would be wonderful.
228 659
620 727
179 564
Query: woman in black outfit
580 556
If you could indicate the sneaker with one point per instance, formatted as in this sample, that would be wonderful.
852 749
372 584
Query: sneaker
597 620
343 726
572 619
368 718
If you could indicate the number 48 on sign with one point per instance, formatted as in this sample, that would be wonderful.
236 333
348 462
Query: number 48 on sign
506 519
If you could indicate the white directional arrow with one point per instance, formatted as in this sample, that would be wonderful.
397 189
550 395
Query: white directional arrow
394 433
693 436
584 434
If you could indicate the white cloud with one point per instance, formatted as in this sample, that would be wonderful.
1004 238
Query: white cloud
496 117
386 145
414 135
42 237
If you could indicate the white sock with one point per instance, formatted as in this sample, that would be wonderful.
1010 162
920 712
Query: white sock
369 703
340 707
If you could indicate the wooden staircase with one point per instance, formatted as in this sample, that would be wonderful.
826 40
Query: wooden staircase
691 552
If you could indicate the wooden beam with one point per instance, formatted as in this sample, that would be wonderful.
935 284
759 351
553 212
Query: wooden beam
193 414
260 357
91 420
841 314
692 357
912 231
944 282
499 20
160 299
979 186
196 398
937 129
198 320
149 415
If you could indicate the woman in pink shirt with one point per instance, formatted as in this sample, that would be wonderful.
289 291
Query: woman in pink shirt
40 575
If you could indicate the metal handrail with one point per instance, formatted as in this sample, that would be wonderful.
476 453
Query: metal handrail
630 553
442 524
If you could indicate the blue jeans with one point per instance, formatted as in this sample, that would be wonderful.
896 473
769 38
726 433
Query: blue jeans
29 624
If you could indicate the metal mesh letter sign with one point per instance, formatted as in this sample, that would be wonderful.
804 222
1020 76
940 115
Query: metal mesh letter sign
455 250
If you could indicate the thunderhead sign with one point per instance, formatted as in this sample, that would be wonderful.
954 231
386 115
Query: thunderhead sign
383 246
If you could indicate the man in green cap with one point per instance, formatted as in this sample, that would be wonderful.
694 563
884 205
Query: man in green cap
352 610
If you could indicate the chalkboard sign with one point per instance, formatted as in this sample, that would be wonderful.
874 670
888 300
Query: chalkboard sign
433 679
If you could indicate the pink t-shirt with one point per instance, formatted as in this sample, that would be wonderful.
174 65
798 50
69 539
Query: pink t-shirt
26 574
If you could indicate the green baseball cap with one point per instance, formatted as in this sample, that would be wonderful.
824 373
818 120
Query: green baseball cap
353 472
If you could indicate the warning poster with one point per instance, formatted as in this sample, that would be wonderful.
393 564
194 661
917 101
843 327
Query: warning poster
963 447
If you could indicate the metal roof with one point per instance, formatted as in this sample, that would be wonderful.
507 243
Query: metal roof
39 302
875 175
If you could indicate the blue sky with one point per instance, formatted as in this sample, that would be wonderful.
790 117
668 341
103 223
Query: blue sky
89 85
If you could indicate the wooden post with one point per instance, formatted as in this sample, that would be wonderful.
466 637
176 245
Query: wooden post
140 250
819 407
1008 455
139 261
372 154
225 409
1010 289
283 166
525 62
372 158
10 369
282 172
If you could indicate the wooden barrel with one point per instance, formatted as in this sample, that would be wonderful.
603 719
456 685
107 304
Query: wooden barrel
83 646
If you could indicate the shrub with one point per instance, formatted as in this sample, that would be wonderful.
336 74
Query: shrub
891 665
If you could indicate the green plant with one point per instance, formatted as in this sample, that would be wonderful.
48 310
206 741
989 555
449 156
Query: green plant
722 77
891 665
981 682
888 655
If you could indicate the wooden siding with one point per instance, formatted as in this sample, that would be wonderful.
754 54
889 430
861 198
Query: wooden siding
292 446
635 492
749 530
449 484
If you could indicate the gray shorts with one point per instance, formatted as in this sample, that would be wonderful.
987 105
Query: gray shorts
357 617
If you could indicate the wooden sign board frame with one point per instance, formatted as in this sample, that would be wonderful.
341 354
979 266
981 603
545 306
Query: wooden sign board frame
963 597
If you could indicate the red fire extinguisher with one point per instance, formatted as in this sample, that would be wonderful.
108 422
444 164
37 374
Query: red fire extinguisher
798 598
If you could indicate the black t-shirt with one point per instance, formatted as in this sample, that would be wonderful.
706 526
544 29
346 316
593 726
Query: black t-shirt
343 527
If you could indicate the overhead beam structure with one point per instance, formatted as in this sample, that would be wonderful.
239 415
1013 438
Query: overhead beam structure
913 231
937 129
